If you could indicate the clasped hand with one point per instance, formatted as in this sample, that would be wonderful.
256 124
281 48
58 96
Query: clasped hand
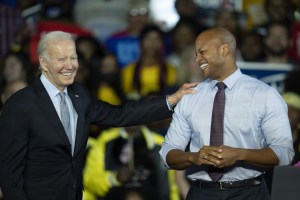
219 157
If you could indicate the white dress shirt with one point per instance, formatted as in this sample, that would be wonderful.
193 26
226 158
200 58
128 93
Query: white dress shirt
255 117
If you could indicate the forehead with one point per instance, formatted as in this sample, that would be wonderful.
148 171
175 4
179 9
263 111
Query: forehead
204 40
62 46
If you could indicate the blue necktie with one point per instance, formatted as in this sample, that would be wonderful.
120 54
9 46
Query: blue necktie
217 126
65 115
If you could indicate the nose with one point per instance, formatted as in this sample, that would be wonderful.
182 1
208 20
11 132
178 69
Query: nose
68 64
198 58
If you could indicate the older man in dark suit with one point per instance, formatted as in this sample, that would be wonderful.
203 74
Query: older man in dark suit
44 127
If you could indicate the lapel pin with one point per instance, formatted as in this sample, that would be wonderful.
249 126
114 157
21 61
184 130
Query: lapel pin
76 95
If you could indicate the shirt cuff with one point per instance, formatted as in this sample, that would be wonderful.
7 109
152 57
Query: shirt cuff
170 106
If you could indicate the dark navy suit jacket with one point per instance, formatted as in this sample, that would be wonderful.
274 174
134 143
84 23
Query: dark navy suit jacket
35 153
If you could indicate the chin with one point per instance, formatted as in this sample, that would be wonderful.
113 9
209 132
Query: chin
68 81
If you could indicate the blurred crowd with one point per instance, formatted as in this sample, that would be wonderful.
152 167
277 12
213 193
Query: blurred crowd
126 55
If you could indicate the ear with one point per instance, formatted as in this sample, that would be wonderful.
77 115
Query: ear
225 49
43 63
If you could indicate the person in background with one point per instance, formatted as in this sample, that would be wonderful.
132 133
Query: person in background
138 18
11 25
125 43
150 73
249 126
16 72
189 70
186 8
277 11
277 43
109 81
252 47
83 72
126 159
229 19
44 127
108 85
90 48
182 35
92 52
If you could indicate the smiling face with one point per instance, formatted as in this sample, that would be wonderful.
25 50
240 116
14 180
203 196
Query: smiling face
208 56
61 64
215 53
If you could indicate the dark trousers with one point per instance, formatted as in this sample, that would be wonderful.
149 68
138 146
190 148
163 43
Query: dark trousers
257 192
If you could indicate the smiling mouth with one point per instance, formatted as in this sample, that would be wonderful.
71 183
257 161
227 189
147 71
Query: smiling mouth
67 74
203 66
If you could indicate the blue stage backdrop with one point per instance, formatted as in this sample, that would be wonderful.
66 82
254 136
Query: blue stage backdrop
272 74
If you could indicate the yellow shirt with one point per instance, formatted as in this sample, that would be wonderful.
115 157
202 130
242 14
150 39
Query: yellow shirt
255 10
106 93
149 79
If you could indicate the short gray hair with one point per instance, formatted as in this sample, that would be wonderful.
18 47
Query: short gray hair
42 48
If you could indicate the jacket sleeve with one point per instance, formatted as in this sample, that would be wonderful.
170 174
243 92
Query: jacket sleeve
131 113
97 179
13 148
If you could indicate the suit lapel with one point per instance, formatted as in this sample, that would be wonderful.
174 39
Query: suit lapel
48 109
75 98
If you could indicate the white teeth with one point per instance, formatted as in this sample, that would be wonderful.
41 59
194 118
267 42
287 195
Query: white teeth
203 66
67 74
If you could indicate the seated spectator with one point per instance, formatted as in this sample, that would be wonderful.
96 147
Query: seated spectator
123 159
15 72
229 19
252 47
189 70
277 43
125 44
109 81
186 8
277 11
150 73
83 72
89 47
182 35
91 51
